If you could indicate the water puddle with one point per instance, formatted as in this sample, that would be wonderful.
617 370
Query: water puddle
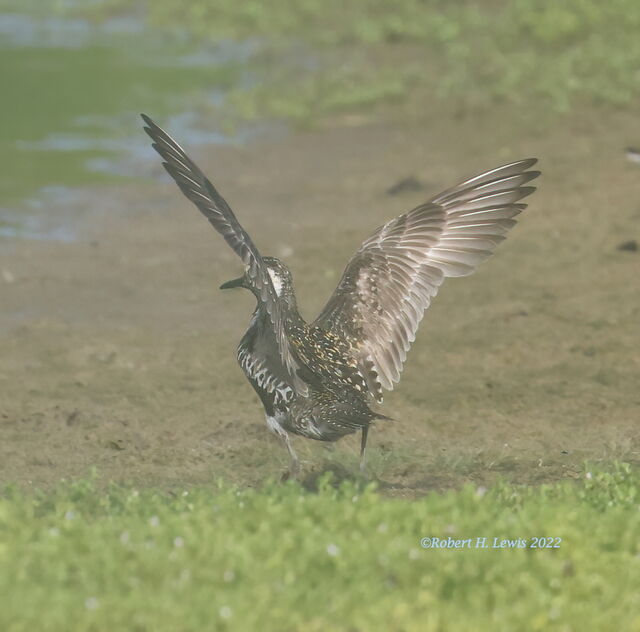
71 117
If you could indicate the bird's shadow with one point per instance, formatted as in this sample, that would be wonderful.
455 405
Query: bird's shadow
335 474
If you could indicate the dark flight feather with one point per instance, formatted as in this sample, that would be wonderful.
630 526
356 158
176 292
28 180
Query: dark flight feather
197 188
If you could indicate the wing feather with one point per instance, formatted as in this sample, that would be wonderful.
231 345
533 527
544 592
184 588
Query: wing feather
390 281
197 188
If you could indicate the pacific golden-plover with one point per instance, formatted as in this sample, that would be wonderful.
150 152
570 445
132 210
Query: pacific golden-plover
319 379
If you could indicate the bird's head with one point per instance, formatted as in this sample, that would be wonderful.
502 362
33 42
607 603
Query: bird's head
280 278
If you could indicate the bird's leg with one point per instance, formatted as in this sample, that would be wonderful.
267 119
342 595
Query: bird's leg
363 448
294 465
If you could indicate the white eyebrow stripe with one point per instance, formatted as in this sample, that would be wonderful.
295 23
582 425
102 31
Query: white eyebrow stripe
275 279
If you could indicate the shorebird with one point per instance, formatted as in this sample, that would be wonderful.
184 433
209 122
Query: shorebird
319 379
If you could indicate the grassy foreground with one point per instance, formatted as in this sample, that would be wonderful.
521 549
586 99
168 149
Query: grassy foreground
346 558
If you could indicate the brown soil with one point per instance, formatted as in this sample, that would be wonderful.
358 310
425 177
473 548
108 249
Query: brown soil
118 350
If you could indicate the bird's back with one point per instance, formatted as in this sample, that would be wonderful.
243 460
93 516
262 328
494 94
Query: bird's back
337 400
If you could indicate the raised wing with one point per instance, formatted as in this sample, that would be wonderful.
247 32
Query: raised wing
203 194
391 279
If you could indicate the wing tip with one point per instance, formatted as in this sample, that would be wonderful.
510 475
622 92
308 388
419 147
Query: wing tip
149 124
148 120
526 190
524 164
150 129
533 174
529 162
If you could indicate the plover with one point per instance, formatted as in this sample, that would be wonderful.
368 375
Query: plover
320 379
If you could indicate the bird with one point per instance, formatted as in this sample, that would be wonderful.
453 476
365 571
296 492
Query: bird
322 379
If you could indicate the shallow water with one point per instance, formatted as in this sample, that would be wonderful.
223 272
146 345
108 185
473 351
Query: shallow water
70 117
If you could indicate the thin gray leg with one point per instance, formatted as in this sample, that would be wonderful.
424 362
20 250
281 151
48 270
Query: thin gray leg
294 465
276 428
363 449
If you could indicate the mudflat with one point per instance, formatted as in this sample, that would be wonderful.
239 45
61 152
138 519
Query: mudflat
118 351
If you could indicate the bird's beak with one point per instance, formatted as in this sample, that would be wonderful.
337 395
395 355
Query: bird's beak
239 282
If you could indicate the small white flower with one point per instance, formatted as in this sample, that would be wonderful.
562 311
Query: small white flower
90 603
178 542
154 521
481 491
226 612
54 531
229 575
124 537
333 550
383 527
69 515
588 476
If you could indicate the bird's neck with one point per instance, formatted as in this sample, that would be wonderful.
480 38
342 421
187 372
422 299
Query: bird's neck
291 314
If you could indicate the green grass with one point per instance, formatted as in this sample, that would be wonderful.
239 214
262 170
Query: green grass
319 57
345 558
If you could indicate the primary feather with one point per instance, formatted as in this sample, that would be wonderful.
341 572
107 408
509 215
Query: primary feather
195 185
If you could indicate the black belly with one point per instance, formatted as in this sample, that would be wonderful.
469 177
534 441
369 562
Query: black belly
275 394
329 412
